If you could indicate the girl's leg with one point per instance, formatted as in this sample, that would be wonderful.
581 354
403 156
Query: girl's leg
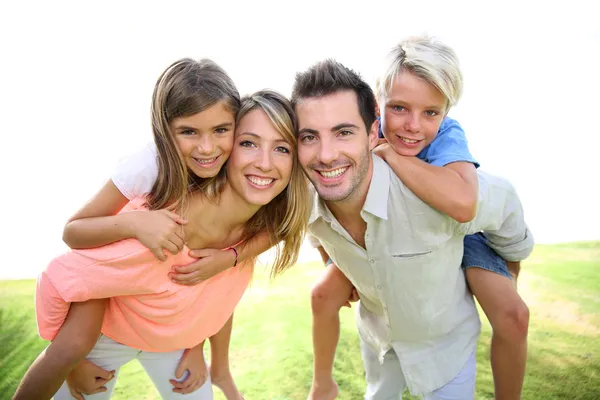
74 341
161 368
327 297
220 372
109 355
508 314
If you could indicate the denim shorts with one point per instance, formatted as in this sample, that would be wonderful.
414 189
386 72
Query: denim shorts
479 255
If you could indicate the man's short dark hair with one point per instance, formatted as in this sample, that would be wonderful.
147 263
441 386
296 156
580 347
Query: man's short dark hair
328 77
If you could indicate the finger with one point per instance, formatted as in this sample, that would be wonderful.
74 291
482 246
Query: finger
177 241
175 217
188 387
381 141
347 304
170 247
181 368
76 394
191 267
101 373
99 390
186 279
199 253
158 253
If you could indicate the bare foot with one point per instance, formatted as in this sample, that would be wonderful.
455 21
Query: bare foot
224 381
323 391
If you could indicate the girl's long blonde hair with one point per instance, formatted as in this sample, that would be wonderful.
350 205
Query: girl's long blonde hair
285 218
185 88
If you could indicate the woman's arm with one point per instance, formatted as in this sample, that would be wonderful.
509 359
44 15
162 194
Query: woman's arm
214 261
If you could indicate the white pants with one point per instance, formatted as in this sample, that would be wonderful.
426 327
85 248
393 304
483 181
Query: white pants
386 381
160 367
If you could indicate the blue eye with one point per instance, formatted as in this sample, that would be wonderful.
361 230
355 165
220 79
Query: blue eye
431 113
398 108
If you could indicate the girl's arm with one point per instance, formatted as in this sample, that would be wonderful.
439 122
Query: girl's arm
451 189
213 261
98 223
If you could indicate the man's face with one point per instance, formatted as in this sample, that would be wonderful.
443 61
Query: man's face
412 114
334 147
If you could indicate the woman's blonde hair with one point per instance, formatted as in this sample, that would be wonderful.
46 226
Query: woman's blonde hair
430 60
285 218
185 88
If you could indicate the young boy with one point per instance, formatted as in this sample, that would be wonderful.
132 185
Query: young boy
429 152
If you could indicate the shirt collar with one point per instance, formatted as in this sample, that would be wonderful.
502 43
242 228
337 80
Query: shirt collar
377 197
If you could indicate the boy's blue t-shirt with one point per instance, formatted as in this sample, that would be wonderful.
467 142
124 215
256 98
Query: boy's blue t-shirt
450 145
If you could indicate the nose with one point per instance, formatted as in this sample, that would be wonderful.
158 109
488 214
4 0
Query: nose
328 152
206 145
412 123
264 160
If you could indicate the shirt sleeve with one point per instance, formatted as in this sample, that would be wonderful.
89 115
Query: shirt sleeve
135 175
449 146
313 241
500 216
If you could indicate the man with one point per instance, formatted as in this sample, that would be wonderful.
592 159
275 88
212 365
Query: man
417 321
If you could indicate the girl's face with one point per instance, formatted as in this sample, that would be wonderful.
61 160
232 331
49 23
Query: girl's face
261 162
205 139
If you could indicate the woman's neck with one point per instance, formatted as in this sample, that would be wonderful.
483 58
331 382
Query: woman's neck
218 224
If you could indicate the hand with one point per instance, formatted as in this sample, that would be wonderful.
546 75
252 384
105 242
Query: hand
354 297
210 263
158 230
88 378
193 362
383 149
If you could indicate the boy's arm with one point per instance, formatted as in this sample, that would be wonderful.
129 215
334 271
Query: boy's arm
451 189
501 218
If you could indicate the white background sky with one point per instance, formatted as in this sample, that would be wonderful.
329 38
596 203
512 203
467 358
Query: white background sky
76 80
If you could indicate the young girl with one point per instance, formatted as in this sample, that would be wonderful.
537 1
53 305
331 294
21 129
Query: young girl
422 80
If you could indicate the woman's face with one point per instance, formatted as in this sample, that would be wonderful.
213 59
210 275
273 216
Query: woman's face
260 164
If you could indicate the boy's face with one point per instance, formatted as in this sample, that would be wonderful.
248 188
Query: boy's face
334 147
412 114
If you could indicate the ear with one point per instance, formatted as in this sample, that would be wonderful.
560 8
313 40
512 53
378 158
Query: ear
374 135
377 112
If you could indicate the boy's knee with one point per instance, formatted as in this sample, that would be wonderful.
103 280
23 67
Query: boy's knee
513 324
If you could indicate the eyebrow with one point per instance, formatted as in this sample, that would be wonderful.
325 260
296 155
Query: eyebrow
396 102
334 129
222 125
254 135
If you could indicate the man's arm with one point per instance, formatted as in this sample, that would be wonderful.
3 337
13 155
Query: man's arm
500 216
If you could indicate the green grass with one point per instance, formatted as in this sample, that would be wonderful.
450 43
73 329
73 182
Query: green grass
271 344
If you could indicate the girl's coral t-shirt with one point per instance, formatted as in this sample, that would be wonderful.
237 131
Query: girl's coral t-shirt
146 310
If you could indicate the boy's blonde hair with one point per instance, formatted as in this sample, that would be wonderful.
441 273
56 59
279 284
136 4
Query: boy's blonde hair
430 60
285 218
185 88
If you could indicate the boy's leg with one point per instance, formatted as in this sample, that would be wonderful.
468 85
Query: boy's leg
462 387
109 355
327 297
508 314
220 372
161 368
73 342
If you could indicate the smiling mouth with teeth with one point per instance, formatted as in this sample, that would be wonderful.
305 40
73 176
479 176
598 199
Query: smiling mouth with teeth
205 160
333 174
409 141
260 181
